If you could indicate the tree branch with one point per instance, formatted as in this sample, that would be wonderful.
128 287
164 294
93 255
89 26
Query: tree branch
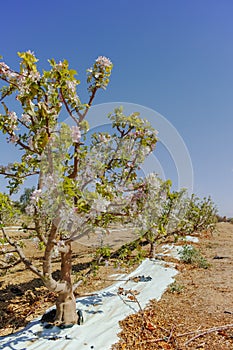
82 116
9 266
19 176
67 108
205 332
21 254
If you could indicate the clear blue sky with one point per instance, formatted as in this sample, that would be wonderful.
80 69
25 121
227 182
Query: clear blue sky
173 56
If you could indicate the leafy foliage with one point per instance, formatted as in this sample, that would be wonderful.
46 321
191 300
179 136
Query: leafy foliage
191 255
200 215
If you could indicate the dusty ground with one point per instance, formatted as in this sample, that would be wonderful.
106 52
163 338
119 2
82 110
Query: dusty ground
200 300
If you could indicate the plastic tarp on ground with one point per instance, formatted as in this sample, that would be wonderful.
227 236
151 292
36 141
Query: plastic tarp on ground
102 312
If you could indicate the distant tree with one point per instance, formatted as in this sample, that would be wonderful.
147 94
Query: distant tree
200 214
160 211
24 199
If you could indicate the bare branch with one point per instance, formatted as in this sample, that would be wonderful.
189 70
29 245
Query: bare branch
68 109
82 116
205 332
10 265
21 254
19 176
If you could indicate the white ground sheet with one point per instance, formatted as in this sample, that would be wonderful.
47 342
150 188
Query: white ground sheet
101 311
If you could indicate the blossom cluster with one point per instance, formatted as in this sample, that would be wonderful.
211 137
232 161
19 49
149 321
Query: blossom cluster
100 205
35 196
75 133
4 69
104 61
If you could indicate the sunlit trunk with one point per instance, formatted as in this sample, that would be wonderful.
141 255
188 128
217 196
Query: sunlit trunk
66 305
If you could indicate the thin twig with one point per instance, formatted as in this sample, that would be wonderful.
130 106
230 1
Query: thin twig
67 108
137 301
82 116
171 333
8 266
207 331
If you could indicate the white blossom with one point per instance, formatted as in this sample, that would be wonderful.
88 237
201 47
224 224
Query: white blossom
61 247
35 196
28 158
25 118
104 61
75 133
9 257
104 138
50 181
35 76
4 68
13 117
30 210
55 253
100 204
30 143
153 180
71 86
14 138
30 52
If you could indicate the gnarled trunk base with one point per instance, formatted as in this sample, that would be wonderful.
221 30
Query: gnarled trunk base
66 309
65 314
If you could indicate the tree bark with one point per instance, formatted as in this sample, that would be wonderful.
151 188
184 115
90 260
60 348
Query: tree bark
66 304
152 249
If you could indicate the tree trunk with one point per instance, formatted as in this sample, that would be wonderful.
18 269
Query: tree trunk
66 305
66 309
152 249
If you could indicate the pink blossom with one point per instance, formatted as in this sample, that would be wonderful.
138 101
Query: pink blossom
3 68
34 76
26 118
75 133
13 116
71 86
104 61
14 138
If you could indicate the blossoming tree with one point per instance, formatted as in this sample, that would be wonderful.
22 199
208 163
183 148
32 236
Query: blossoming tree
83 184
160 211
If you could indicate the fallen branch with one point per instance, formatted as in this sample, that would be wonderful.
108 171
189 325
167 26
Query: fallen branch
171 333
207 331
201 334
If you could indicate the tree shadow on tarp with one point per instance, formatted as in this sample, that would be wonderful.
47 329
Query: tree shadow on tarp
96 299
35 331
12 341
93 301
